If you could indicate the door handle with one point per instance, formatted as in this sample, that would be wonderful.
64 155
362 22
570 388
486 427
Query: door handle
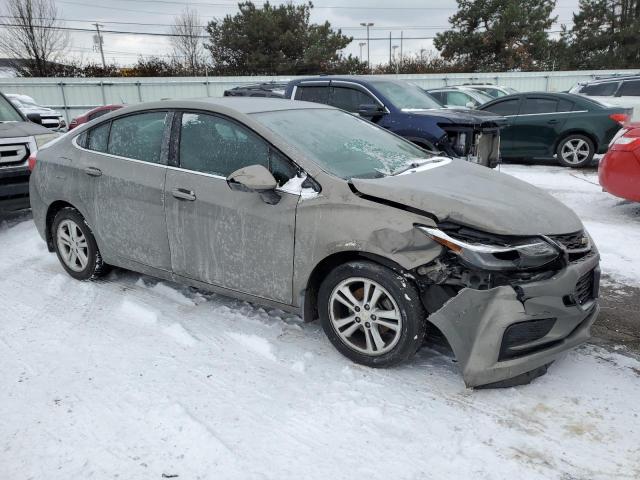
552 122
93 171
183 194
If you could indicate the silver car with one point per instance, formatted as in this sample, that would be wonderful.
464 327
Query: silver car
312 210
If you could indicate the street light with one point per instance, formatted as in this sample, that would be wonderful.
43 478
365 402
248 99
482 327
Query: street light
367 25
361 44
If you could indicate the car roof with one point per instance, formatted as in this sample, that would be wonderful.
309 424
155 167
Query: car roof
616 78
244 105
362 79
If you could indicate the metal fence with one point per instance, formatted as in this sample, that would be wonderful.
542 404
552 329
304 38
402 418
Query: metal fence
74 96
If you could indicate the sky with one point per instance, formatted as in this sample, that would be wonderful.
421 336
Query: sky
414 18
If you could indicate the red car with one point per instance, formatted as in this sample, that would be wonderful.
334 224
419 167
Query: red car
91 114
619 170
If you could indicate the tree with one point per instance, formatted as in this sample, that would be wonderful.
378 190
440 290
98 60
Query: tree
186 40
605 34
275 40
31 31
498 35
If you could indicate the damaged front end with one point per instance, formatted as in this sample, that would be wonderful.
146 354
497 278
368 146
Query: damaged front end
474 143
509 306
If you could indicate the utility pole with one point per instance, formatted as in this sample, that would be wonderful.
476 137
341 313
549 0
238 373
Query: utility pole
104 64
367 25
401 38
362 44
390 50
395 47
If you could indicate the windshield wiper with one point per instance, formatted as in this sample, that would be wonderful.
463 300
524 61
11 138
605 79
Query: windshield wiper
415 164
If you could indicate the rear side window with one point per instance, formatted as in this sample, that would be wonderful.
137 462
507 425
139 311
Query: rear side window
438 96
630 88
138 136
458 99
606 89
349 99
218 146
98 137
505 107
317 94
534 105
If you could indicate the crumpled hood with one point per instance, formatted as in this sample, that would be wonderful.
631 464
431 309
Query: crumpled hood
463 116
21 129
475 196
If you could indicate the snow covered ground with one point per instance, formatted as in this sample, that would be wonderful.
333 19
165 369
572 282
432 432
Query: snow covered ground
132 378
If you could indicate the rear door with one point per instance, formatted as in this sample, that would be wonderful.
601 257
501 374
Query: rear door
312 91
220 236
123 172
508 108
539 124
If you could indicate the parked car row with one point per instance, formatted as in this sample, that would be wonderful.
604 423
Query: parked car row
310 209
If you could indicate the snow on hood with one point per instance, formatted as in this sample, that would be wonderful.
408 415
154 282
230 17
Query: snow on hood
468 194
21 129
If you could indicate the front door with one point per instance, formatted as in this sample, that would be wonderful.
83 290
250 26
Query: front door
224 237
509 108
123 167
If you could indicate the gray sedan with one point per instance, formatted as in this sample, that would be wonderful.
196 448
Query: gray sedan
312 210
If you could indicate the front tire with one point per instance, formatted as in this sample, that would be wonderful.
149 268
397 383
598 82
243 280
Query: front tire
575 151
371 314
76 246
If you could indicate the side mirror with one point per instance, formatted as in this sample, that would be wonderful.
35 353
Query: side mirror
35 118
370 110
255 178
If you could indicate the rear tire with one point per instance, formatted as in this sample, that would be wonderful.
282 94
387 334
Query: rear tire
575 151
76 246
371 314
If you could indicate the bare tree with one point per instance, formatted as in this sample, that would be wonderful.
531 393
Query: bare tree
187 42
31 31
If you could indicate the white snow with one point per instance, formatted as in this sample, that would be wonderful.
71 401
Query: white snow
294 186
613 223
132 378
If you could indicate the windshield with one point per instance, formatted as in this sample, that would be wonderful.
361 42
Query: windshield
343 144
8 112
406 96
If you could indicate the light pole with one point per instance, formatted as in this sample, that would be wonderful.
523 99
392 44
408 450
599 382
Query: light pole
361 44
367 25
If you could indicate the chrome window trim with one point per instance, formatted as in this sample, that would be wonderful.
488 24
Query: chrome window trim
547 113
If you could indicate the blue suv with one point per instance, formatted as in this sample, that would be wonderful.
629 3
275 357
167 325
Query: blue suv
408 111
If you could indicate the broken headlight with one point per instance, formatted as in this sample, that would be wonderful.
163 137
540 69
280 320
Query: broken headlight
522 254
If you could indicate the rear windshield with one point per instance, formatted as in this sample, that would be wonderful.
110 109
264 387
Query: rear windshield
343 144
8 112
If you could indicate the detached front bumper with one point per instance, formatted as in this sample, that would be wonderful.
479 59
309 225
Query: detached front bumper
505 332
474 144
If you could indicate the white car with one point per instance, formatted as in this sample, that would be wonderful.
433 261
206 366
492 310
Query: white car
51 119
494 91
615 91
456 97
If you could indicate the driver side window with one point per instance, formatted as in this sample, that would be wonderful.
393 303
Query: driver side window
215 145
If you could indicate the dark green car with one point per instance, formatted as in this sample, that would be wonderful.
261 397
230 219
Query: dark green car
568 127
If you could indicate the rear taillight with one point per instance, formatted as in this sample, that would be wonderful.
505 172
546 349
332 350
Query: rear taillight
31 162
621 118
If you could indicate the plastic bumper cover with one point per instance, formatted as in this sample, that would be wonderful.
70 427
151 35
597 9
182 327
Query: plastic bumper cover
475 321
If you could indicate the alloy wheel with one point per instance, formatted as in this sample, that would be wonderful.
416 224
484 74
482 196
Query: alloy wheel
575 151
72 245
365 316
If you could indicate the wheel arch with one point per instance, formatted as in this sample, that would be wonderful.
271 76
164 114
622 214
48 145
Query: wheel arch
576 131
52 210
322 268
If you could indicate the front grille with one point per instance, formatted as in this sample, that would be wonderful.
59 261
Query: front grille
13 154
585 290
522 333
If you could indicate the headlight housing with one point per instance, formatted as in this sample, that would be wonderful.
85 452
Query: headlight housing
522 254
